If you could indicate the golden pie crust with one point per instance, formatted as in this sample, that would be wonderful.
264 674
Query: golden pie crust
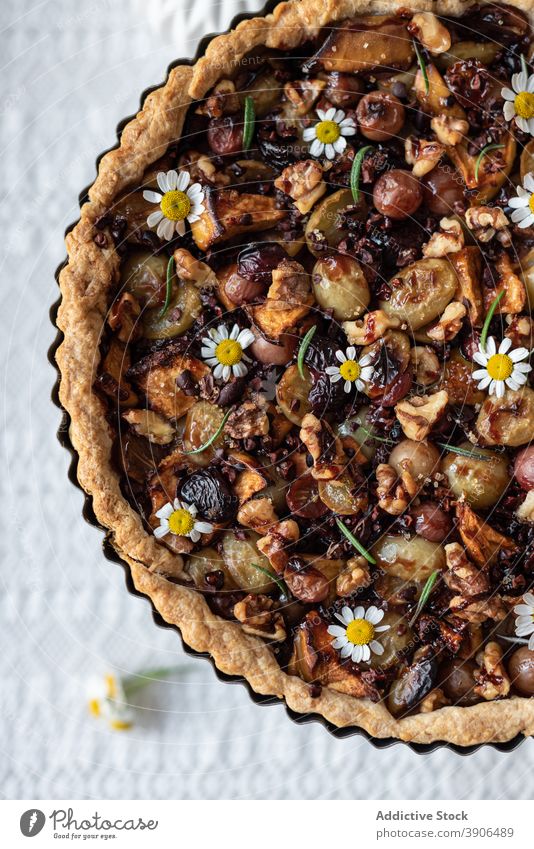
85 282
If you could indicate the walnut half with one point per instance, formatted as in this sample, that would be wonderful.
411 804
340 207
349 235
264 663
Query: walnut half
303 182
492 679
419 414
394 494
257 617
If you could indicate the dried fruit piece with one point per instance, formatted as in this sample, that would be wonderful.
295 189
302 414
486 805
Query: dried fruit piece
419 414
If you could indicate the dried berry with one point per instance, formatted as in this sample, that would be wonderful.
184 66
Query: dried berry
211 495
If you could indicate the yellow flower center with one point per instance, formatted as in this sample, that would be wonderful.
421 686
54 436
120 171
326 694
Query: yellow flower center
120 724
181 522
500 367
360 632
229 352
175 205
327 132
350 370
94 707
111 686
524 104
531 203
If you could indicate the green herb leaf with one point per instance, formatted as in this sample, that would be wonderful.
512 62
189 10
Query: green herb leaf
371 435
356 170
357 545
168 291
487 320
304 345
465 452
212 438
423 598
249 122
482 154
281 585
146 676
421 63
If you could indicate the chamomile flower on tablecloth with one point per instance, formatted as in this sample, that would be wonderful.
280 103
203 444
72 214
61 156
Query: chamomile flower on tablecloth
178 202
500 368
356 636
327 136
107 699
223 350
351 370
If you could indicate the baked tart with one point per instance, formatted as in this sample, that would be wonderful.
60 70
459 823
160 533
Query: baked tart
297 331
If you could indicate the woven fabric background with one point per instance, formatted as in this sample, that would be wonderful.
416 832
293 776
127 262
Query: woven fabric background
71 71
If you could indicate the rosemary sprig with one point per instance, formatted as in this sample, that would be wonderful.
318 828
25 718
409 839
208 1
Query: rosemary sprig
281 585
487 320
212 438
465 452
356 170
249 122
304 345
168 290
482 154
357 545
425 593
422 65
371 435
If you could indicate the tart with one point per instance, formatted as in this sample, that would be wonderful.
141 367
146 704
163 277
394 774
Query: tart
297 331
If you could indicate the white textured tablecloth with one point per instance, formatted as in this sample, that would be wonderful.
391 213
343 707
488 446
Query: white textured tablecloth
71 70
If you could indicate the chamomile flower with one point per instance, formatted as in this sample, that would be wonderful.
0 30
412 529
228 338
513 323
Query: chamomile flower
351 370
355 637
523 204
179 518
327 137
519 101
524 623
107 699
224 350
178 202
500 368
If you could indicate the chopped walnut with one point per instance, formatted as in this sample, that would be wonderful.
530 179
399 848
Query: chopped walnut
520 329
258 514
486 221
329 459
423 155
193 270
525 511
394 493
357 574
419 414
449 240
426 365
250 419
449 130
203 169
303 182
515 295
462 575
431 32
277 540
223 100
434 700
258 618
124 318
492 679
371 328
302 94
478 611
291 285
480 539
449 324
150 425
467 264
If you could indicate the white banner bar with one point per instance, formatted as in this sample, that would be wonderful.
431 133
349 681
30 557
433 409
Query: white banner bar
199 825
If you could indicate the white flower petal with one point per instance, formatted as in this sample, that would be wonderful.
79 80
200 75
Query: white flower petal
330 114
348 386
183 181
374 615
332 370
203 527
526 222
508 110
346 651
518 354
194 535
240 369
336 631
347 615
308 134
165 511
359 612
485 382
329 151
505 345
341 356
507 93
481 358
357 654
500 388
351 353
335 377
154 218
528 181
161 179
172 179
151 197
366 653
162 531
316 148
218 371
491 348
512 384
376 647
340 145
